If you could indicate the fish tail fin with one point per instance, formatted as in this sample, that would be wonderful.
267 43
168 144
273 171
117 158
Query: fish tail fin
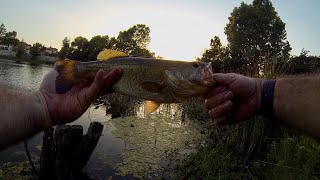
66 75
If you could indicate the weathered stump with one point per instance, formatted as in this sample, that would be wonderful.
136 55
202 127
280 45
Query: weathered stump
66 152
47 156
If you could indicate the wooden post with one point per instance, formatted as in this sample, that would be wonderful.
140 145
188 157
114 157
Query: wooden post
47 156
66 153
89 142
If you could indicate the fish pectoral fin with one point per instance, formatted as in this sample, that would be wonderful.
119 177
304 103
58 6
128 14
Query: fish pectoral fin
150 106
109 54
152 87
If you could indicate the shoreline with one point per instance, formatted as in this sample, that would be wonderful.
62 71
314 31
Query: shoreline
16 60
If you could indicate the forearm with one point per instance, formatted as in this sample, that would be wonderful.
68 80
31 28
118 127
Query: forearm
23 114
297 103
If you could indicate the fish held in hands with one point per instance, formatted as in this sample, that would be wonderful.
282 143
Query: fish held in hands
155 80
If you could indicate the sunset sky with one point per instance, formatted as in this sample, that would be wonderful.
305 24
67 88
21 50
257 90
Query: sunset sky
180 29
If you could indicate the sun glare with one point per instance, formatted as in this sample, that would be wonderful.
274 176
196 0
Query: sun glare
176 34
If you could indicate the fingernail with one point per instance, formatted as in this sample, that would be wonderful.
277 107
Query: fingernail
102 72
117 70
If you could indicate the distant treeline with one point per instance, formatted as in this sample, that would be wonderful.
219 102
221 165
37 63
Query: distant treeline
269 67
133 41
257 44
10 42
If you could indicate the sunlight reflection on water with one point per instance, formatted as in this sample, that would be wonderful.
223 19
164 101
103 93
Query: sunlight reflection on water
22 75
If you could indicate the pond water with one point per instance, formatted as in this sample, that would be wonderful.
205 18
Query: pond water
130 147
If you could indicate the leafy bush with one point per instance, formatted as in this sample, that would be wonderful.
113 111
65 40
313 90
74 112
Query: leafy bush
213 163
291 158
294 158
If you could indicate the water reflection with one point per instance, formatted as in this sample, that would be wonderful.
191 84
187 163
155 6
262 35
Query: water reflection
21 75
109 148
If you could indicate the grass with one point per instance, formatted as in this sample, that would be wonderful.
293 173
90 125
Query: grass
213 162
290 158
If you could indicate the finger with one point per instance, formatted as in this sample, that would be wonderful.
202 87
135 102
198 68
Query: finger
92 92
218 99
221 110
215 91
224 79
111 78
243 113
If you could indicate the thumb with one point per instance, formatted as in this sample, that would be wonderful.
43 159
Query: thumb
224 79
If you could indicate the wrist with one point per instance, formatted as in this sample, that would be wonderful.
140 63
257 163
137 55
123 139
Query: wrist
44 118
266 97
258 91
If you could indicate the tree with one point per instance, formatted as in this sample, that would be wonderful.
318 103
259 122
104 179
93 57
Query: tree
3 30
65 49
79 49
256 36
215 54
83 50
304 63
21 48
96 45
36 50
10 38
134 41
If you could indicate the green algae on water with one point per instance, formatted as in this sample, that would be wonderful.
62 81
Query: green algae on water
151 140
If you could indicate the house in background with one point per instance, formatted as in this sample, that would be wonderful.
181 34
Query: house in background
6 47
50 51
28 46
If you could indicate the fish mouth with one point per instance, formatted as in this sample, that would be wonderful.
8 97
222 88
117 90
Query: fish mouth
207 72
191 82
203 74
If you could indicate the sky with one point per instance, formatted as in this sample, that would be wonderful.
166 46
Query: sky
180 29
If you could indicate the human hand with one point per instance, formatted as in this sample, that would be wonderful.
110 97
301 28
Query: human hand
235 99
65 108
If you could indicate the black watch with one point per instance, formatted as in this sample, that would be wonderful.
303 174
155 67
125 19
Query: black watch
266 100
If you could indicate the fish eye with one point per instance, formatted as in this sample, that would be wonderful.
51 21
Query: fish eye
195 65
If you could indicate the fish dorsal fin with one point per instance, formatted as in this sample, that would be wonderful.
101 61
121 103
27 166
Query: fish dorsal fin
150 106
109 54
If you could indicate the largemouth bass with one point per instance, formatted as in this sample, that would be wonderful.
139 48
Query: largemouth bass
158 81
